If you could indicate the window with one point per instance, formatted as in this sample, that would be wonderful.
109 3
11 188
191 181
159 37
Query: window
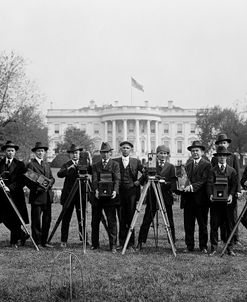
152 146
96 131
179 147
56 128
109 131
152 128
179 128
166 143
143 146
179 162
131 127
192 128
166 128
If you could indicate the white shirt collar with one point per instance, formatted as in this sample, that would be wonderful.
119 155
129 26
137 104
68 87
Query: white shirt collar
221 165
197 160
8 159
125 158
38 160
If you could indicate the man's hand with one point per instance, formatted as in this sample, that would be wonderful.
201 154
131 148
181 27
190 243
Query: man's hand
229 199
211 198
114 194
6 189
97 194
73 166
137 183
238 194
187 189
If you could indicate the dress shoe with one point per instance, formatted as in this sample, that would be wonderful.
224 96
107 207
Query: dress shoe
231 253
24 237
139 246
212 253
14 245
204 251
63 244
46 245
94 247
188 250
238 244
119 247
114 250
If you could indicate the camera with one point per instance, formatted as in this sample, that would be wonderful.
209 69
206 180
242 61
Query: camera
151 164
83 163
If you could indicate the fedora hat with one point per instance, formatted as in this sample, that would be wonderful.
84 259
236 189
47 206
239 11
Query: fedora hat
74 148
126 143
163 148
196 144
221 150
9 144
39 145
222 137
105 147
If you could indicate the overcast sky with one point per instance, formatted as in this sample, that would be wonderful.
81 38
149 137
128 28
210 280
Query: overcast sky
190 51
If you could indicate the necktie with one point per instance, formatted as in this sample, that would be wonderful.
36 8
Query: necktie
195 164
125 163
104 164
7 165
222 169
162 164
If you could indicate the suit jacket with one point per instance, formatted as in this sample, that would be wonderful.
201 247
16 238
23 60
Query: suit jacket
70 178
232 161
232 178
15 182
38 196
113 167
198 178
244 178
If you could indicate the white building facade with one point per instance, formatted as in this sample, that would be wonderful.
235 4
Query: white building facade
145 127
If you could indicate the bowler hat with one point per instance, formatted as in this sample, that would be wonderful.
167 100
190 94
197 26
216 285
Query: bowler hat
9 144
221 150
222 137
74 148
163 148
196 144
105 147
39 145
126 143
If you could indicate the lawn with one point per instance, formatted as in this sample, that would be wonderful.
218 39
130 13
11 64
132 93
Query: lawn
152 274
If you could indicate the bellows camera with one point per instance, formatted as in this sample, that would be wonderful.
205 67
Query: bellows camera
83 163
152 158
220 189
39 179
105 184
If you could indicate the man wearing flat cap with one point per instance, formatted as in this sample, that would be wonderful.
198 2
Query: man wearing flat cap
69 171
40 199
222 211
105 178
129 190
12 170
233 161
194 198
165 173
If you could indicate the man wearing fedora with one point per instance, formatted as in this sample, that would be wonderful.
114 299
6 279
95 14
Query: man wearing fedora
194 198
165 173
222 211
129 190
233 161
12 170
106 166
39 199
70 172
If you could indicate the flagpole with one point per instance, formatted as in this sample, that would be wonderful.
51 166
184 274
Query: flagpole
131 91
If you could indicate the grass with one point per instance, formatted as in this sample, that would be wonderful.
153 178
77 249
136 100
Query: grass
150 275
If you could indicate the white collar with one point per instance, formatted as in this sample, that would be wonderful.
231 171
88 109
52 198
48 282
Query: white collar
105 160
8 159
221 165
38 160
197 160
125 158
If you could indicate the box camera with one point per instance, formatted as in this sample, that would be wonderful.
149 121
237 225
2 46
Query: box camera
220 189
105 184
83 163
151 165
39 179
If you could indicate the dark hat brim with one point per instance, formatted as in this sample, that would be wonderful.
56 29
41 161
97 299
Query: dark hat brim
199 146
106 150
3 148
223 140
41 147
126 143
222 153
76 149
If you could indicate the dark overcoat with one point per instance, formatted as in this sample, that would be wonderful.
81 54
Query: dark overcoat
38 196
15 182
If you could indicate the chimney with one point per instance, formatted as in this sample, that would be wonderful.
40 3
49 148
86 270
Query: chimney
91 104
170 104
115 103
146 103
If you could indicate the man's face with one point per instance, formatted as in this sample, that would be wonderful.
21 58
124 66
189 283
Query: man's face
105 155
40 153
222 159
162 155
125 149
75 155
10 153
224 143
196 153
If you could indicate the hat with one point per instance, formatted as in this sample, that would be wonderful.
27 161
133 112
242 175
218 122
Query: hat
126 143
196 144
105 147
74 148
222 137
9 144
162 148
221 150
39 145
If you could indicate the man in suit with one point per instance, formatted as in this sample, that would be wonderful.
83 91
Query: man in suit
70 171
222 211
40 199
194 198
129 191
12 170
233 161
106 196
165 172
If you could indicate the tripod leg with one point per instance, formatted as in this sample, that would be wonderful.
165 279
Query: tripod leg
137 212
81 234
234 229
161 203
65 207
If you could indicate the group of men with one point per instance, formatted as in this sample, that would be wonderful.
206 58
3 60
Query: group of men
115 190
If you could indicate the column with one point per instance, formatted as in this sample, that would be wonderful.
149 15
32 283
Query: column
114 135
106 131
125 130
137 137
148 137
156 133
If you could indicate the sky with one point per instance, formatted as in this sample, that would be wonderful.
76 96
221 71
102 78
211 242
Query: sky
193 52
